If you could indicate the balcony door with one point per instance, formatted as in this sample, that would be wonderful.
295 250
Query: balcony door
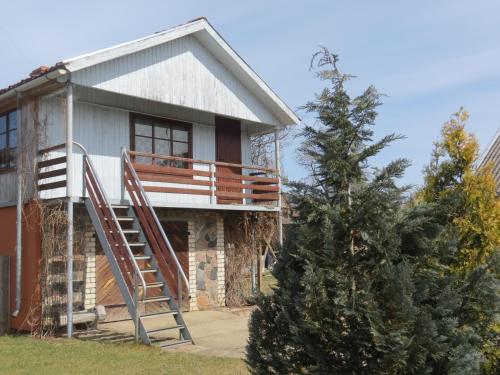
228 150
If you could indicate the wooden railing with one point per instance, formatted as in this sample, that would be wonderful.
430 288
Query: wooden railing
46 169
160 245
222 182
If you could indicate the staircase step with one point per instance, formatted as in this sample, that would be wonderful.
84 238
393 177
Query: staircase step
171 343
165 329
157 284
159 314
131 231
147 270
155 299
119 206
136 244
123 218
140 257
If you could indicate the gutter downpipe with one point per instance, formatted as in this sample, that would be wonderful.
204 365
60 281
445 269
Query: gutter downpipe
19 209
69 191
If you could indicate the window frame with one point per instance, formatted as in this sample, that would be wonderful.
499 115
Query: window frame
166 122
8 149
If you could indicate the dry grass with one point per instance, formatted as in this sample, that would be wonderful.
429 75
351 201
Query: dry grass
25 355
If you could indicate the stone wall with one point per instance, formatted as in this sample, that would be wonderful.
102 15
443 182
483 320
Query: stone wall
206 256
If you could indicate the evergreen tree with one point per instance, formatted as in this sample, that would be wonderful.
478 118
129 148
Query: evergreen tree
361 287
465 198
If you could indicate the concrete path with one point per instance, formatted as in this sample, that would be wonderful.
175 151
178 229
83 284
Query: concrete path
219 333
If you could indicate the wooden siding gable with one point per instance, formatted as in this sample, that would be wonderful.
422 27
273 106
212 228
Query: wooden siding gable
181 72
190 66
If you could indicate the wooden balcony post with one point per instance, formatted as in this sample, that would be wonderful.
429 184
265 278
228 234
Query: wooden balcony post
212 184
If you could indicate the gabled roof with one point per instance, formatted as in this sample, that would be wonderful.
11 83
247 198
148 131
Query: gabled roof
492 155
209 37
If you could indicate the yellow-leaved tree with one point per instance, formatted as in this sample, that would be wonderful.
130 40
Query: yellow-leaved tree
464 196
465 192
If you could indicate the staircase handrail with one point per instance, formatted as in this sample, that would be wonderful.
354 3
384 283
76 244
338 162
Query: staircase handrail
137 270
150 207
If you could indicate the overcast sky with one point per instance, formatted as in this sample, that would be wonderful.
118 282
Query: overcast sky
429 57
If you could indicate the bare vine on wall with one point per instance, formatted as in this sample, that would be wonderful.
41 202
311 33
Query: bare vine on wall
246 237
48 300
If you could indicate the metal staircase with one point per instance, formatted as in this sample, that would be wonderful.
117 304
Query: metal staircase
149 275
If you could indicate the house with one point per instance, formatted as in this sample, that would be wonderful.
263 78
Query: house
492 156
121 171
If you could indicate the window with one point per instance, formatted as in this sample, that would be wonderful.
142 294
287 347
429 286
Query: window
8 140
160 136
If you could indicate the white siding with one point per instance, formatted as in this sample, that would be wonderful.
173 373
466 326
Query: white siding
181 72
103 132
246 156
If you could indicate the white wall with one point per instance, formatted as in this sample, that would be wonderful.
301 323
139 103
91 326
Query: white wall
180 72
103 131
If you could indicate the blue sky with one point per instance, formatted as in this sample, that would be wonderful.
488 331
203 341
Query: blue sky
429 57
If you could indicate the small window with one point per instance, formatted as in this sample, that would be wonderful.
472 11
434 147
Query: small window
162 137
8 140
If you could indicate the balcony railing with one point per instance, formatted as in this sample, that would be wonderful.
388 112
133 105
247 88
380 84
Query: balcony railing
208 182
223 183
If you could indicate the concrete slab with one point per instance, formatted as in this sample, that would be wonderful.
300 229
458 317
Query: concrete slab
218 333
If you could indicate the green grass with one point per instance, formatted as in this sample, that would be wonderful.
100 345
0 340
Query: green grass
24 355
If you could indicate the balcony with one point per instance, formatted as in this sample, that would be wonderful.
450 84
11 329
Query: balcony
219 182
169 181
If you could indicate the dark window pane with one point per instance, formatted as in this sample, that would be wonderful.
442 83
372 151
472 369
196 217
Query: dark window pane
143 129
12 157
162 147
143 144
13 120
3 141
142 160
162 132
180 135
180 149
13 138
3 124
3 159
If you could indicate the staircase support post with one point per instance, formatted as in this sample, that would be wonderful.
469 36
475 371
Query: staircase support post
136 304
69 194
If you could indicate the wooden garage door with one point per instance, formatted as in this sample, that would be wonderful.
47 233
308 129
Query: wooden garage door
108 291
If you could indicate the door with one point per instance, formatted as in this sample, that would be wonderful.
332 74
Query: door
178 235
228 150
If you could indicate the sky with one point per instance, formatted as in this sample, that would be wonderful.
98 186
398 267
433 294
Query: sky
428 57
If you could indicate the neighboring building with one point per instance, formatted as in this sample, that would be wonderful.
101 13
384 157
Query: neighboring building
148 145
492 155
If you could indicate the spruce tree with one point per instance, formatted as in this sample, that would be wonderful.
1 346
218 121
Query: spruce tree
360 285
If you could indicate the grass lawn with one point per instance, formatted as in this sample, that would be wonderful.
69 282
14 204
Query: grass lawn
24 355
